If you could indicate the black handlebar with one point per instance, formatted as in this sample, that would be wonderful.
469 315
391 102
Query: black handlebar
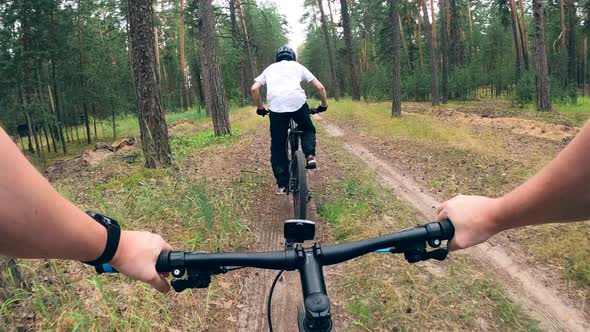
399 242
265 112
199 267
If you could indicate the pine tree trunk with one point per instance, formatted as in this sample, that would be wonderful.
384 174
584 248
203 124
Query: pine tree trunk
198 77
524 36
35 133
185 98
354 78
55 96
152 124
445 51
396 104
469 19
44 129
331 60
419 37
563 49
403 36
26 95
584 65
81 73
87 123
77 133
542 84
433 56
94 122
332 24
516 38
249 57
434 42
572 64
113 119
215 97
157 51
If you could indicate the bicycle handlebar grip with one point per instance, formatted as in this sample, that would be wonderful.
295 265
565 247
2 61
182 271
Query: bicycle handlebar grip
162 265
163 262
447 228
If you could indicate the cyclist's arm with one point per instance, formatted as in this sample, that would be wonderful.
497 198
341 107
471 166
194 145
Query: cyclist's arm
560 192
256 95
321 90
37 222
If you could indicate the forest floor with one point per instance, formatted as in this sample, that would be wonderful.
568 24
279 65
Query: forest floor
376 175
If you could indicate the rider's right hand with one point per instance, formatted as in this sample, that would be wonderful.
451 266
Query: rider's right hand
137 255
261 111
321 109
475 219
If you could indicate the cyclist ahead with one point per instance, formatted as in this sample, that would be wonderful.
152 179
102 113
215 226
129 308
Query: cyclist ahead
287 100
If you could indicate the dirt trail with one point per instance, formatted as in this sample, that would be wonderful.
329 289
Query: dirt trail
271 211
522 282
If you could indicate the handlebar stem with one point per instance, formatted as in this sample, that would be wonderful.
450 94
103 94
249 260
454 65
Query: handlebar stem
315 297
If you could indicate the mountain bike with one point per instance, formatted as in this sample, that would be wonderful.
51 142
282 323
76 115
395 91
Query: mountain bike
297 175
194 270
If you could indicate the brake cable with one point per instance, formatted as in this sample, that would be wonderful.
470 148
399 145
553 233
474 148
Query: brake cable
269 302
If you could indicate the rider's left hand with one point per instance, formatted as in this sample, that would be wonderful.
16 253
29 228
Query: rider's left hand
137 255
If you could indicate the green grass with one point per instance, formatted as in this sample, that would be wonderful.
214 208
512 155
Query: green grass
183 145
355 201
375 119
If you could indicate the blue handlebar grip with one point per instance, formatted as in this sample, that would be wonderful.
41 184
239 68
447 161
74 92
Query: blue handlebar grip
105 268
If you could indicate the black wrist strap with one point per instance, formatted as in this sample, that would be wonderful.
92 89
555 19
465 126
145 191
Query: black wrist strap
113 237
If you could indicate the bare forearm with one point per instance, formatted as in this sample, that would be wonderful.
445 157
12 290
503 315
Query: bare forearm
323 96
559 193
257 99
35 220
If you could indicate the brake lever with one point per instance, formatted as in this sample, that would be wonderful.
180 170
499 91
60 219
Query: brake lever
202 280
438 254
414 253
195 278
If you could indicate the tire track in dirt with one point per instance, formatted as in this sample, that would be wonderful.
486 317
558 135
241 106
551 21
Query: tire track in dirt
522 283
270 213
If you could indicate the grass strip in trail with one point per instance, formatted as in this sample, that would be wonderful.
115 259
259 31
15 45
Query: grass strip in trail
192 212
472 160
384 292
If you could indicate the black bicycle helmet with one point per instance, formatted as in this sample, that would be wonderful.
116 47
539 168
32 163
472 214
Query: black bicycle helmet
286 53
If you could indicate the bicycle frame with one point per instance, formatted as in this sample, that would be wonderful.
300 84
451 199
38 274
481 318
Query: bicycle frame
297 175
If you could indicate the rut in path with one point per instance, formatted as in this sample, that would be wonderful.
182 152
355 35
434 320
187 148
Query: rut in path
521 282
269 236
272 210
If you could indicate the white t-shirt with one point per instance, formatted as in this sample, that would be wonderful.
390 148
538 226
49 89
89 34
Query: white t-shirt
283 89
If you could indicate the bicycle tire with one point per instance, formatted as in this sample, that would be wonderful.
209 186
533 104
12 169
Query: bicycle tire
299 185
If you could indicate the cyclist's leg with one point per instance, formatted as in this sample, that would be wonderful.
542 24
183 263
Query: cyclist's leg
279 123
308 142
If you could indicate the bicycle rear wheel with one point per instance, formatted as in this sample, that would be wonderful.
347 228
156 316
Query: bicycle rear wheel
299 185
